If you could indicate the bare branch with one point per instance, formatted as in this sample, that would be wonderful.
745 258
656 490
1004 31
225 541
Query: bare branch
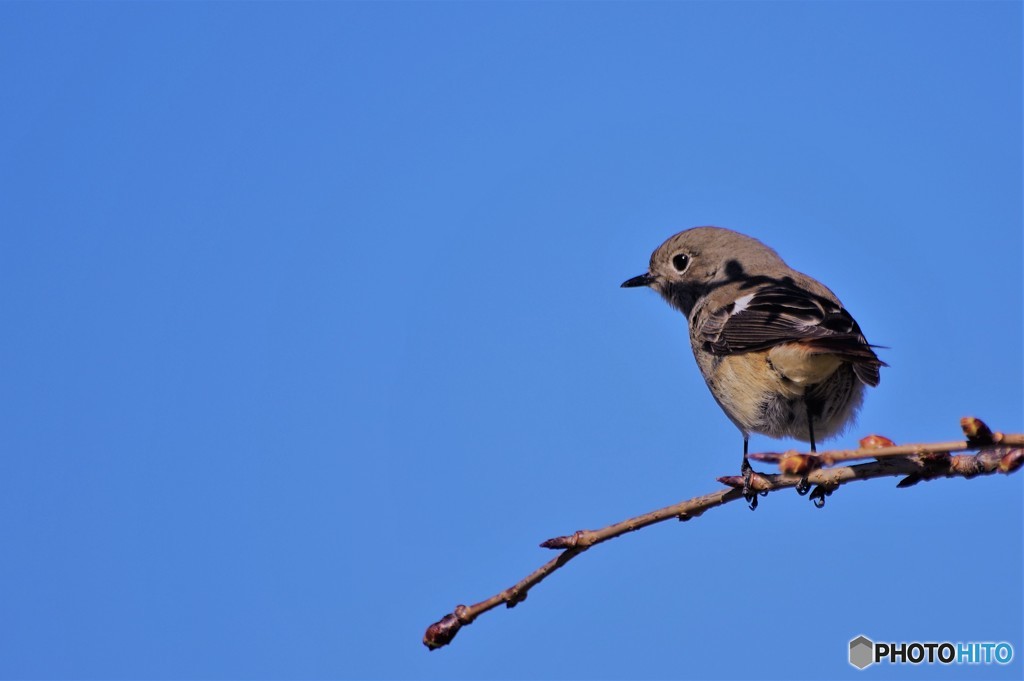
996 453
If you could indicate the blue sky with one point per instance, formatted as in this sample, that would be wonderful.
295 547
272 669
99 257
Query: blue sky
313 331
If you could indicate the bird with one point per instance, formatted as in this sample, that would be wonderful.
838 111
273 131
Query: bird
779 352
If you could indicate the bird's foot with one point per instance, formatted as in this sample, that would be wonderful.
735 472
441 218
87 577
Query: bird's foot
750 494
819 494
804 486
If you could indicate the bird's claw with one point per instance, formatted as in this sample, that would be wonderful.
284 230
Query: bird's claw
750 495
803 487
819 494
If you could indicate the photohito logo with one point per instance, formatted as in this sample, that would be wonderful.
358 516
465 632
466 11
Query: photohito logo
864 652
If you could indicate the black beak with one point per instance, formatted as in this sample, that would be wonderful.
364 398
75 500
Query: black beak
643 280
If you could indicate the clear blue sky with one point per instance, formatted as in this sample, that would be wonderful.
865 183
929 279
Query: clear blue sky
312 330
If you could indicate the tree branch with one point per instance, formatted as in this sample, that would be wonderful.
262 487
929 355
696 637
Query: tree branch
996 453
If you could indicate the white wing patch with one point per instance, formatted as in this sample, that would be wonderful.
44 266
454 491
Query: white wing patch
741 304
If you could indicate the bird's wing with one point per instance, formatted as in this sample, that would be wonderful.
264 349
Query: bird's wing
789 314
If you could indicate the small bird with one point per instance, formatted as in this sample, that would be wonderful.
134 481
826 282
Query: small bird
781 355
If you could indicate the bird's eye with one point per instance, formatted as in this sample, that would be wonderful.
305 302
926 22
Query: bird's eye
680 261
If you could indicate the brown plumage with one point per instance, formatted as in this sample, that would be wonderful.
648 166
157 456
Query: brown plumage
779 352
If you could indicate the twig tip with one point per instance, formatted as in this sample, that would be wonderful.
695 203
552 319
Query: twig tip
567 542
976 430
875 442
441 632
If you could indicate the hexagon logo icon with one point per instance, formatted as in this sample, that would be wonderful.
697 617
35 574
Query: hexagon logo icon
861 652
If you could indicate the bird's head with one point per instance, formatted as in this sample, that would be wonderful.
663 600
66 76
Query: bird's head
693 262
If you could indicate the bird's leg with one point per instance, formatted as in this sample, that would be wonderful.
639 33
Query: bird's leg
746 471
810 425
804 486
